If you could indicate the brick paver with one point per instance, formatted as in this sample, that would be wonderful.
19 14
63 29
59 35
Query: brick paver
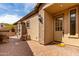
52 50
15 47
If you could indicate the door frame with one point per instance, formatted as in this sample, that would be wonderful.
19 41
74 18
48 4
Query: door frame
58 16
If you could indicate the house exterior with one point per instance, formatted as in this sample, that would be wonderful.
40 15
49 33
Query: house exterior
51 22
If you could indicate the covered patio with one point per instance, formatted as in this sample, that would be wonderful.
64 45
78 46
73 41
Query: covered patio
57 23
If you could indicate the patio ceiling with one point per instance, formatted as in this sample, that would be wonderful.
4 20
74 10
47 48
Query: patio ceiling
57 7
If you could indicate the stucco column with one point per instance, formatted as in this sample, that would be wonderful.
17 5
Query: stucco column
19 30
41 27
48 28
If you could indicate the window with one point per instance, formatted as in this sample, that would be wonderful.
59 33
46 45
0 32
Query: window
27 24
73 22
58 24
18 27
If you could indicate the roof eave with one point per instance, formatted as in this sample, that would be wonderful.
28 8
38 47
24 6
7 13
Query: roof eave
30 14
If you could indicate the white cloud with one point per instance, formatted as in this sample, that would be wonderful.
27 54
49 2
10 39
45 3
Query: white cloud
29 6
9 18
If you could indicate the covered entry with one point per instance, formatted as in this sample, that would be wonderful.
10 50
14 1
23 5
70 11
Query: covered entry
60 19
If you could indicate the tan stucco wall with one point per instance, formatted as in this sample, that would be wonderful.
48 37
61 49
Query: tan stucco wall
44 32
11 33
41 28
48 28
8 33
41 32
67 39
33 30
19 30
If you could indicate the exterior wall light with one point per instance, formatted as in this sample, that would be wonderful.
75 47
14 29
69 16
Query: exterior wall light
40 18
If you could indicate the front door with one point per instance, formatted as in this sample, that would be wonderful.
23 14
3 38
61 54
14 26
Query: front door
23 28
58 28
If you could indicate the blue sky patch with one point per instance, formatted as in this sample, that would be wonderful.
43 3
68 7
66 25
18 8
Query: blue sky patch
12 12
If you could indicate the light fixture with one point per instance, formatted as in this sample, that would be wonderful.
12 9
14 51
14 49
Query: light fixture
40 18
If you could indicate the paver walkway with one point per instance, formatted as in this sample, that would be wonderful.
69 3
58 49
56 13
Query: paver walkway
15 47
53 50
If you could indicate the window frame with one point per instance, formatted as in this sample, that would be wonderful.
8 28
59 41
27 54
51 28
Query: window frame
58 21
76 35
27 22
73 11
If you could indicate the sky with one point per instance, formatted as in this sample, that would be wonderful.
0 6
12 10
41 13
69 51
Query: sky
12 12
